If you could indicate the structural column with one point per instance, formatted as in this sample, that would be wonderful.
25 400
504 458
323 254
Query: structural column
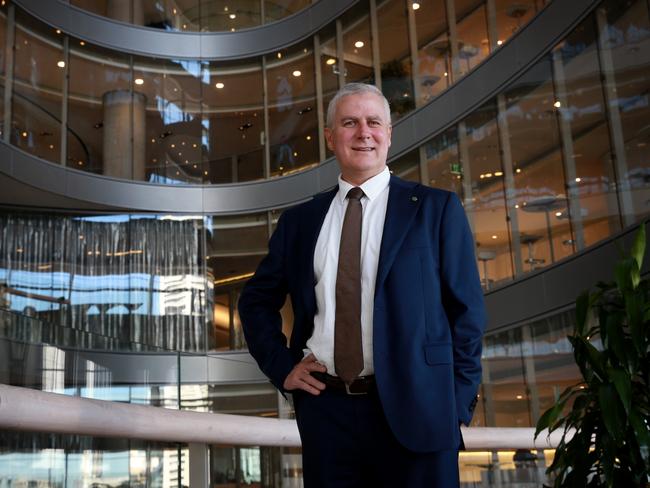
124 134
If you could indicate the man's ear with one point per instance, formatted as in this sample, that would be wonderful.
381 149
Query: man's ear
328 139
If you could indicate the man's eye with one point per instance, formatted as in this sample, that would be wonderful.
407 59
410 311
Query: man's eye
348 123
374 123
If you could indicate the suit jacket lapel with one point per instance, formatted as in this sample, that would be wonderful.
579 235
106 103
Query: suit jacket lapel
310 230
403 203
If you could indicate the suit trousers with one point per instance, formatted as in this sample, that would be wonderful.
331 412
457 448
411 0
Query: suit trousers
347 442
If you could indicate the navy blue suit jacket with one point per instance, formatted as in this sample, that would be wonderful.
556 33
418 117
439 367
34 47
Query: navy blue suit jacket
428 317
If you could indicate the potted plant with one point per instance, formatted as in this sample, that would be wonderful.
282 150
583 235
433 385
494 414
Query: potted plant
605 418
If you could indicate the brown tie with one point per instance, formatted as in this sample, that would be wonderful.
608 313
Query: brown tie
348 351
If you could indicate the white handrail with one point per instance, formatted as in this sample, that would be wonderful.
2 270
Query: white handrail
38 411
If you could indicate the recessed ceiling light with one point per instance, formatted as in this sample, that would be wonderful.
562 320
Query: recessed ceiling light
61 64
416 5
359 44
331 61
58 31
219 85
558 214
82 43
557 104
232 16
296 73
309 138
499 42
232 29
279 55
24 134
494 237
139 81
519 397
578 180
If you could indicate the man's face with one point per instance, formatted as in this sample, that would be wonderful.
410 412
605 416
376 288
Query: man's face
360 136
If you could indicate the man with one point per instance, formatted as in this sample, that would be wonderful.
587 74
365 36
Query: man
384 357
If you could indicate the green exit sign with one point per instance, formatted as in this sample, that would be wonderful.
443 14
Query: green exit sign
456 168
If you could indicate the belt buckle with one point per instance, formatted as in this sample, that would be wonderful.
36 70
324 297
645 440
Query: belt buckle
349 392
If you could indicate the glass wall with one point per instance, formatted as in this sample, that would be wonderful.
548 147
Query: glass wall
208 122
194 15
50 460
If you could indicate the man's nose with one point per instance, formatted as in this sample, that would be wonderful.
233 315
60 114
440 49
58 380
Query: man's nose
363 130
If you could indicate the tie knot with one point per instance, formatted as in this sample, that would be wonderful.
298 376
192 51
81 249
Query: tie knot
355 193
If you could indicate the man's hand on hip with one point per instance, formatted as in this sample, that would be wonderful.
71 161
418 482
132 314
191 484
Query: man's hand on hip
300 377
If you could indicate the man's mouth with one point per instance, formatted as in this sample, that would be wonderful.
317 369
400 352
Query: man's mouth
363 149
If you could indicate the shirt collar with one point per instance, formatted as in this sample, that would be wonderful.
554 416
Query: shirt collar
372 187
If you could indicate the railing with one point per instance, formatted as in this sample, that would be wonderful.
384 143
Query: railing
37 411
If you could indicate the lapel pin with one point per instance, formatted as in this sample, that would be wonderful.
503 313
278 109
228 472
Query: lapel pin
414 199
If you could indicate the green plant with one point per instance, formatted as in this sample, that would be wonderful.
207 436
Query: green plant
606 436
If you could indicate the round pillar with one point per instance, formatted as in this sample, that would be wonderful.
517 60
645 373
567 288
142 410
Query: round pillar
124 134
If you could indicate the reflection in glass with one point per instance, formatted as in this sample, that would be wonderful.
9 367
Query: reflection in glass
118 282
37 90
395 58
101 79
56 460
357 47
593 207
233 122
473 45
172 92
433 49
293 123
443 162
483 177
624 29
512 15
407 167
235 245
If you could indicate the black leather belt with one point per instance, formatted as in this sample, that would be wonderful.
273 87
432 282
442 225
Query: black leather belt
360 386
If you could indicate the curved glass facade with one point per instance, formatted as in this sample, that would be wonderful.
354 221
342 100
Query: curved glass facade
215 122
194 15
142 308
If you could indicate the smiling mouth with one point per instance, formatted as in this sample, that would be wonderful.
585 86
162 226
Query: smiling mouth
363 149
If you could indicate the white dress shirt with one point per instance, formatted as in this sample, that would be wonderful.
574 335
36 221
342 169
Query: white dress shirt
326 258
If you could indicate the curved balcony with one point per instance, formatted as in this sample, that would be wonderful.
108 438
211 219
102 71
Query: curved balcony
161 43
186 121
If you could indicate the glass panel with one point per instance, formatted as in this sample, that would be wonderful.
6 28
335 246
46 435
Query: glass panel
100 78
512 15
117 282
443 162
593 206
293 121
507 402
171 91
483 177
233 122
55 460
275 10
395 57
539 183
407 167
625 58
236 245
37 89
433 49
357 48
473 44
329 70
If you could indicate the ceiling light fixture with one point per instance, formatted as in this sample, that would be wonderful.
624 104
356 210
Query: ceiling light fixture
61 64
415 5
331 61
296 73
82 43
139 81
359 44
232 16
557 104
219 85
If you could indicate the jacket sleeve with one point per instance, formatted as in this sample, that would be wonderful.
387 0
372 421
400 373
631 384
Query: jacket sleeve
462 298
259 310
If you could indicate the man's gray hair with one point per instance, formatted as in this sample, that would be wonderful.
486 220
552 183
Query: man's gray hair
354 89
